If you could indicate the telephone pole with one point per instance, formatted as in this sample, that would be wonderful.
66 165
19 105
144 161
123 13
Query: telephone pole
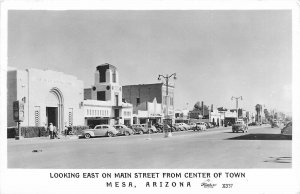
237 105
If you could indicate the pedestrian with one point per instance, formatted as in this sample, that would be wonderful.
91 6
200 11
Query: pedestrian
70 130
51 129
54 132
66 130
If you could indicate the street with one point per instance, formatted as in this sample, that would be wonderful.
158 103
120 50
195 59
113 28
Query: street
261 147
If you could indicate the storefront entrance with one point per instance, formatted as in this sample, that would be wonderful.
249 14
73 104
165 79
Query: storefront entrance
55 108
51 115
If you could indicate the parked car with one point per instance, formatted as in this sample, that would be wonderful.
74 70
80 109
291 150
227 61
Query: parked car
139 129
186 126
152 128
123 130
179 127
192 125
173 128
274 123
159 127
202 126
209 125
287 129
100 130
252 124
239 126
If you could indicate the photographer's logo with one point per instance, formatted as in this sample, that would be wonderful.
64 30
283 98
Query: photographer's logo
208 184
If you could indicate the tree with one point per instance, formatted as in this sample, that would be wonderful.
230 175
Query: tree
258 109
267 114
198 107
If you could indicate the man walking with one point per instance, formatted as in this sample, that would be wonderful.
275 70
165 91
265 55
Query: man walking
51 129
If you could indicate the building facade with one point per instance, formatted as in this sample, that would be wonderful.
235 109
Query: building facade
103 101
48 97
141 95
148 111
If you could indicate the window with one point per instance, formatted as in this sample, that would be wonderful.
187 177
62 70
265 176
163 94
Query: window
117 100
102 75
101 95
138 101
98 127
114 77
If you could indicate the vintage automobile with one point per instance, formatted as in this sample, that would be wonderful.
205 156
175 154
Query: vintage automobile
186 126
100 130
140 128
200 126
159 127
123 130
287 129
152 128
179 127
192 125
274 123
239 126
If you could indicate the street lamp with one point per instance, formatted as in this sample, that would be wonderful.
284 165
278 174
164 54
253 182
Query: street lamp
167 77
237 105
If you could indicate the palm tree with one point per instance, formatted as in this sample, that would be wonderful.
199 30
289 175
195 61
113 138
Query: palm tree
258 109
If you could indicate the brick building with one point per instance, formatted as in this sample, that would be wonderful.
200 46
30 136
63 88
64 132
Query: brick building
143 93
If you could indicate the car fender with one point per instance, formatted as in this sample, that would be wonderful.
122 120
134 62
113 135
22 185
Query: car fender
90 132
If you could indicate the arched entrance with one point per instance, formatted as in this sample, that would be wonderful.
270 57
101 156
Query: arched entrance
55 108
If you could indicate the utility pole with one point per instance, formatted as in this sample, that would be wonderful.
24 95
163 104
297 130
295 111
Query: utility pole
167 77
237 105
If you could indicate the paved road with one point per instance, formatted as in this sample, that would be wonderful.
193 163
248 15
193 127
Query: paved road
262 147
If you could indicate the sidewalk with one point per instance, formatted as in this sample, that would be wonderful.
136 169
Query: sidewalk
47 139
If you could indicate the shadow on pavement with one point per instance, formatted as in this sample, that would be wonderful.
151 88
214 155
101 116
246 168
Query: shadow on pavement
262 136
279 159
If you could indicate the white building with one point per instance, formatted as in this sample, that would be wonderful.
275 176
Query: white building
148 111
217 117
103 101
48 96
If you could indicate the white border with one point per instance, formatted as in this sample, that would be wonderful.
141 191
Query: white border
258 180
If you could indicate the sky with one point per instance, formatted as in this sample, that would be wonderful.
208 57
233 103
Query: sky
215 54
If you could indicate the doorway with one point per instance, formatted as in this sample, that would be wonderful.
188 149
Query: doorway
51 114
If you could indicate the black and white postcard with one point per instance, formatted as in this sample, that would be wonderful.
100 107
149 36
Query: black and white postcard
150 96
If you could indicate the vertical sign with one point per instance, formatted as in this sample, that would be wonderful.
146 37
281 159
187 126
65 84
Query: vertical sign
18 114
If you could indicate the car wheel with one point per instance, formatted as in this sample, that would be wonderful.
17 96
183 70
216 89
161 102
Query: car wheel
87 136
127 133
110 134
141 132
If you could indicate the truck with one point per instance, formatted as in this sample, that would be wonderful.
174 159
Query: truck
240 125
